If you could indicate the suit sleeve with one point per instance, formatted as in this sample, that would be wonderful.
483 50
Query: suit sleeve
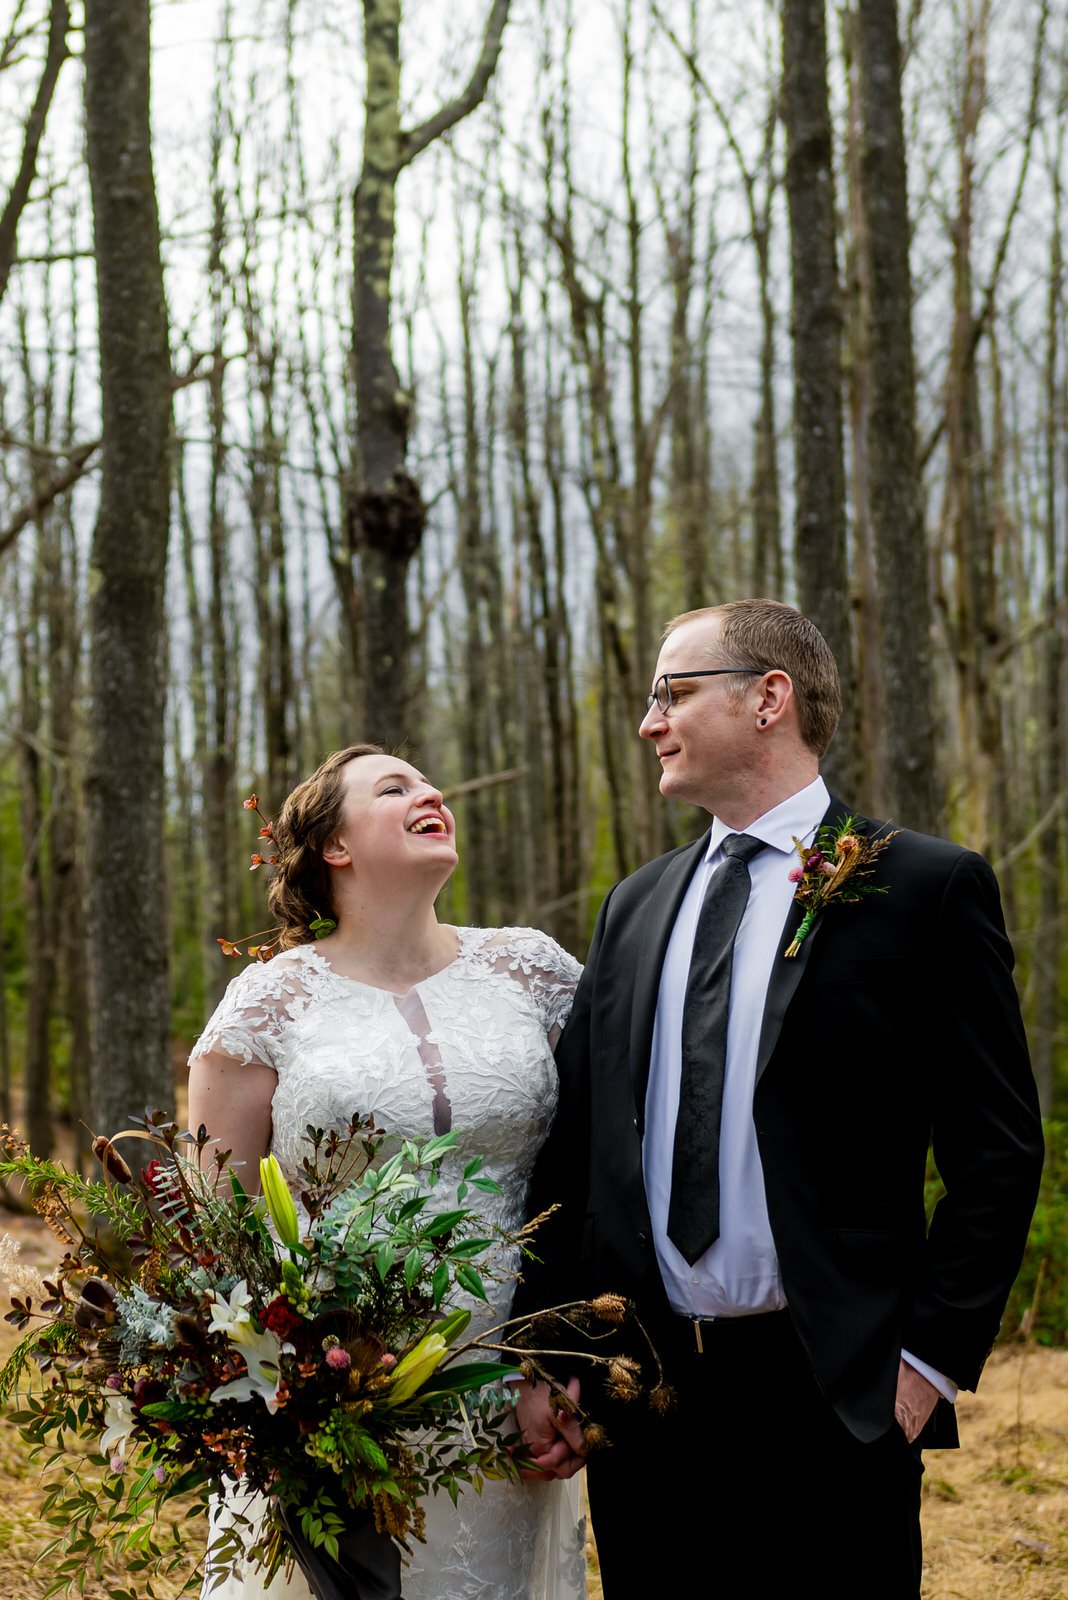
986 1130
561 1176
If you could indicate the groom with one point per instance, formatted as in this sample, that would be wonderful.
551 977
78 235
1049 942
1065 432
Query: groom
741 1146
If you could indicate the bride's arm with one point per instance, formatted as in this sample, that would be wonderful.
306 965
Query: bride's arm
233 1100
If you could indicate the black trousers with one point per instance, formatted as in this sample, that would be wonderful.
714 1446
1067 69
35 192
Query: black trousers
751 1481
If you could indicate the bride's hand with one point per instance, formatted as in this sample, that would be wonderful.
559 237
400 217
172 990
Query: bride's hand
554 1438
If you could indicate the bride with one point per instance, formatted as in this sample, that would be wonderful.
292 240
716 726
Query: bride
429 1027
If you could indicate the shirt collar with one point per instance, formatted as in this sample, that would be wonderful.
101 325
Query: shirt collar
795 817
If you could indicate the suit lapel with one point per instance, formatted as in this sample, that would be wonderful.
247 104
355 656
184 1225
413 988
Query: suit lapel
786 974
655 932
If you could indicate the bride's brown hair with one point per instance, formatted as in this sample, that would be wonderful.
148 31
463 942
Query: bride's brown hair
300 888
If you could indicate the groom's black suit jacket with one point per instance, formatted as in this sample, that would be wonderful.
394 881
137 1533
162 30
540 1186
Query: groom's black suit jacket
897 1023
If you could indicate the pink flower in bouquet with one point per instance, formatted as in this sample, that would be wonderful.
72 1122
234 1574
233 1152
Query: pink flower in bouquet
339 1360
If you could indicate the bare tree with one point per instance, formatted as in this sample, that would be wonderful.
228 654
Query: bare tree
385 515
56 53
894 488
820 521
760 182
125 795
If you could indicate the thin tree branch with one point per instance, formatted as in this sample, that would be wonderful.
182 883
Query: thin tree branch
981 320
1023 845
79 462
748 177
56 54
454 111
489 781
77 466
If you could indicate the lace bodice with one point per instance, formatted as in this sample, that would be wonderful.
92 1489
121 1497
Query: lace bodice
469 1047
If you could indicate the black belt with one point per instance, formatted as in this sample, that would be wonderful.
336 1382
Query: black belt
698 1334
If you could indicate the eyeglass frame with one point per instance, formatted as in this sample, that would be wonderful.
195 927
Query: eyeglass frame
707 672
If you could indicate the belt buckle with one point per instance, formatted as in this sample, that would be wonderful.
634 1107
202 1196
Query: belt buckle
697 1321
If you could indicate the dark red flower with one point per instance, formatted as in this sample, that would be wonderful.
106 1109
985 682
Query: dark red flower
148 1391
280 1318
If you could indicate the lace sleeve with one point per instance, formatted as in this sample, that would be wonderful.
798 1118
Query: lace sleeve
247 1023
543 967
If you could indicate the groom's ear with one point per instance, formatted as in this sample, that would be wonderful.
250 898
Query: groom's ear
776 693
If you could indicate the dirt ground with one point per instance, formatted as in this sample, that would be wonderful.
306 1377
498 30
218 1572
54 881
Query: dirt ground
995 1512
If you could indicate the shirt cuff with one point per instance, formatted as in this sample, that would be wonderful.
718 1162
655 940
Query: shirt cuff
938 1380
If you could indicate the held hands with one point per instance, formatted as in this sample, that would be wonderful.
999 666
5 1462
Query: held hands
554 1438
916 1399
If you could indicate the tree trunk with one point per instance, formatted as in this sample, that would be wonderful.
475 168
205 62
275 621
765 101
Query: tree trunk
217 643
820 522
896 507
871 751
39 930
125 795
385 514
1049 942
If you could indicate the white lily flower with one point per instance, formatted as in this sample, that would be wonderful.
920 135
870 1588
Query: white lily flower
230 1314
261 1352
120 1421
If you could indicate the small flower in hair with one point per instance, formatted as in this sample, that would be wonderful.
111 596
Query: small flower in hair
252 803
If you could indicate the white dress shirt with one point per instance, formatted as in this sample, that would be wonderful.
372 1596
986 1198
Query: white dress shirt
739 1274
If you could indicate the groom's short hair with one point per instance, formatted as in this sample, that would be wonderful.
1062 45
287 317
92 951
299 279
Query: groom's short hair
764 636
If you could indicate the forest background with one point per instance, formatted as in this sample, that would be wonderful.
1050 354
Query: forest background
369 376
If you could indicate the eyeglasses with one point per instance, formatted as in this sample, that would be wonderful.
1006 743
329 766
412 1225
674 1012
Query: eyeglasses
661 695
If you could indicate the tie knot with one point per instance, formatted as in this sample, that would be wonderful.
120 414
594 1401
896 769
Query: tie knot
742 846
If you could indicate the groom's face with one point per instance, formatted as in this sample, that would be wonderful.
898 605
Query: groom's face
704 740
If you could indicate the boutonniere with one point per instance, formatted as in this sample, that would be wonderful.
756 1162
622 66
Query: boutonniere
835 868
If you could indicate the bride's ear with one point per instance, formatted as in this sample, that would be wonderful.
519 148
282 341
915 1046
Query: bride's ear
335 854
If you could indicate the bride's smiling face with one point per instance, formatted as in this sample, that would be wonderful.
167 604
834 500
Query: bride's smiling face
392 820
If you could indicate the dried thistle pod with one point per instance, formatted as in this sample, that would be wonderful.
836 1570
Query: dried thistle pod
662 1397
623 1378
560 1400
110 1160
610 1307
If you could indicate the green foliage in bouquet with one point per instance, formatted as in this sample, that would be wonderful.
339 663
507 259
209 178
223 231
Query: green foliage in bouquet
201 1338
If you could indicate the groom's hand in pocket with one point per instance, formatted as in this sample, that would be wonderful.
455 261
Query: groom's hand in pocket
553 1437
916 1399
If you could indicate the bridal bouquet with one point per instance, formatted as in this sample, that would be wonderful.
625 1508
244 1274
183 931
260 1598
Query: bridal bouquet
199 1339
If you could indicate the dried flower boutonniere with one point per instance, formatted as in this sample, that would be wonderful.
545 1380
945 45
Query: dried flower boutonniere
834 868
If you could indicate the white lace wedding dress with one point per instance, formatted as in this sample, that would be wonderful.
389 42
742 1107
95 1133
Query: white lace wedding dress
469 1048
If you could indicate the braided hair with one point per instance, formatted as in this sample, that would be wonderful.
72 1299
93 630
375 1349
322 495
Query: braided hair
300 888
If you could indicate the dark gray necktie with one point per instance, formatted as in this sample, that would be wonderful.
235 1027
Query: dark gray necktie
693 1215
